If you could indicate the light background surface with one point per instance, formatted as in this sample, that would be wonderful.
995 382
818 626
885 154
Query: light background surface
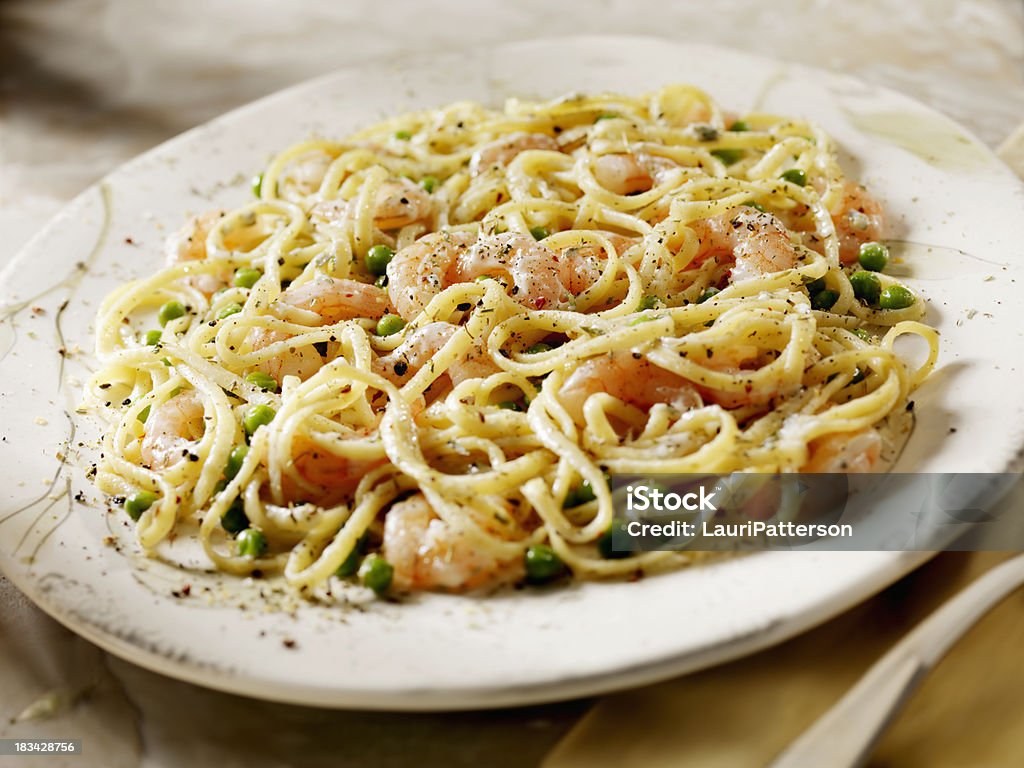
86 84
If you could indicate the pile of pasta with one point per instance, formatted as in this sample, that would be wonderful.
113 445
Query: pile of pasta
426 347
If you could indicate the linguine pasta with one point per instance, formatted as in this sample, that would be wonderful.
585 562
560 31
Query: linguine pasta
423 347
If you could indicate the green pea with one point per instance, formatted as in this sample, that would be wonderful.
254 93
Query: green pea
378 258
510 405
860 333
172 310
539 233
429 183
873 256
257 416
247 277
235 460
739 126
815 285
390 325
795 176
153 338
648 302
824 300
755 205
138 503
606 544
896 297
728 156
231 309
262 380
350 565
257 184
234 521
866 286
708 294
376 573
403 135
144 413
537 348
542 564
581 494
570 499
585 492
251 543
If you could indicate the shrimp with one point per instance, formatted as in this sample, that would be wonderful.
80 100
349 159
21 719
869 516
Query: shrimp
399 365
330 300
757 241
400 203
326 212
502 151
396 204
580 266
172 430
535 269
189 244
420 271
332 476
428 553
629 174
621 243
308 171
335 299
416 351
635 380
681 105
845 452
541 277
858 219
738 360
630 377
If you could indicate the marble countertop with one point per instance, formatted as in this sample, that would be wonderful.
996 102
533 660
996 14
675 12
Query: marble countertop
86 84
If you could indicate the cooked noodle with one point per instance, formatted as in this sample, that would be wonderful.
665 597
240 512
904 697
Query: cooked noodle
595 227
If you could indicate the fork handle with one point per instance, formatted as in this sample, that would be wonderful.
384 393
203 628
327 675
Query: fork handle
845 735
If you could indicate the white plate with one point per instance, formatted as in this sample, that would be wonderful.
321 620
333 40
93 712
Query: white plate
941 186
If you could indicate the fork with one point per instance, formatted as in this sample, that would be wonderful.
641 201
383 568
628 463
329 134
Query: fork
845 736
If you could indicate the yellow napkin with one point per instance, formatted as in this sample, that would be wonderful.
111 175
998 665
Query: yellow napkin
969 712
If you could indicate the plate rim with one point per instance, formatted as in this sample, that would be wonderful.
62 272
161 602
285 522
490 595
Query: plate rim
470 698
